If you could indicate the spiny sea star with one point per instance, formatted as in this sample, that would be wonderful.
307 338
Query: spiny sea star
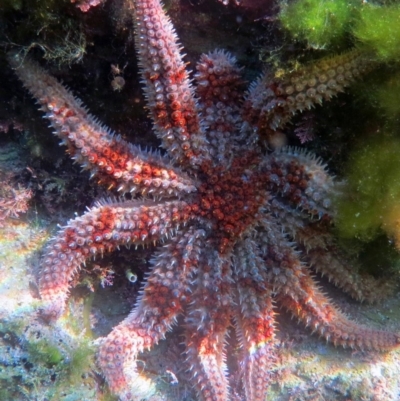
228 222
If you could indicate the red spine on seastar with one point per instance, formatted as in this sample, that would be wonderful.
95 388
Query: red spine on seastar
101 230
168 90
112 160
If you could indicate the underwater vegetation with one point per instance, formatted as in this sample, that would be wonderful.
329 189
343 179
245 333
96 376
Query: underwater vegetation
39 361
371 200
332 24
319 23
377 29
381 94
58 34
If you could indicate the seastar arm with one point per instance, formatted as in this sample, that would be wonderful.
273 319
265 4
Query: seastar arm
206 325
301 180
322 252
112 160
102 229
163 298
271 102
299 294
220 90
313 308
324 255
168 90
254 319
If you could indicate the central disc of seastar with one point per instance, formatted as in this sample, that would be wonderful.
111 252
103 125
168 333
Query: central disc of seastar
230 198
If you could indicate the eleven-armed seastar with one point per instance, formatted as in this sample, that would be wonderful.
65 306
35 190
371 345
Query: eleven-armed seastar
227 214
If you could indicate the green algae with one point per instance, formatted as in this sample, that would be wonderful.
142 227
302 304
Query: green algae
87 307
331 23
13 5
58 34
370 200
40 358
81 359
376 257
44 352
378 30
320 23
387 97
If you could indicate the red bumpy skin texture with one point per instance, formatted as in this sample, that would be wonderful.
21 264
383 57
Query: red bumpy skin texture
229 216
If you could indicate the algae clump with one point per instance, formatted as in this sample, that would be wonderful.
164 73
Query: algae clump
378 30
44 352
370 201
321 23
388 97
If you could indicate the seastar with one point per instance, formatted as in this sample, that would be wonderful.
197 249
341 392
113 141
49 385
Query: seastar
228 215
